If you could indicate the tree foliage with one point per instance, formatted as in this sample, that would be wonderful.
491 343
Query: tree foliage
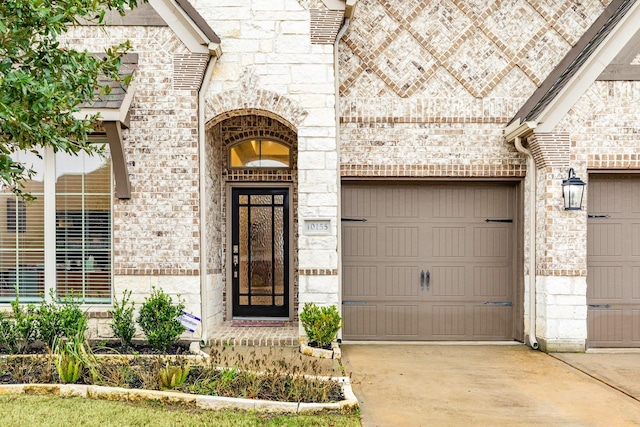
43 82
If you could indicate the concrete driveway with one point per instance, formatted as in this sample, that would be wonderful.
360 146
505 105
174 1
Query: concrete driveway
433 385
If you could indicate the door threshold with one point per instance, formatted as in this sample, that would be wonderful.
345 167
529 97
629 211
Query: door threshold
261 319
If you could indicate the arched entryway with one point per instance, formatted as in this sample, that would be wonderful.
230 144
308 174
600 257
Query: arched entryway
252 195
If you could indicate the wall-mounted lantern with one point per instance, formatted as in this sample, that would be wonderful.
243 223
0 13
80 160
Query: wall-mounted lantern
572 192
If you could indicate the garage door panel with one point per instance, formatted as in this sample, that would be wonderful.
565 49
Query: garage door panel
401 320
605 327
401 242
634 199
635 283
360 242
360 281
635 239
492 281
448 242
360 321
448 321
605 283
605 196
605 239
402 203
490 242
402 281
635 321
491 321
448 281
363 202
492 203
448 203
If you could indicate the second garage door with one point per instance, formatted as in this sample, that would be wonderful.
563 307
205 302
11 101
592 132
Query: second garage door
429 261
613 273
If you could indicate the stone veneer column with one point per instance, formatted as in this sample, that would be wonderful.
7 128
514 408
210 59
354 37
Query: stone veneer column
318 199
272 63
561 235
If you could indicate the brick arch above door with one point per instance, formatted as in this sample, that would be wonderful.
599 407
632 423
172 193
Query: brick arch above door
254 101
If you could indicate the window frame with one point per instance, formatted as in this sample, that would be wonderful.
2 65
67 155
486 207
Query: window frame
50 225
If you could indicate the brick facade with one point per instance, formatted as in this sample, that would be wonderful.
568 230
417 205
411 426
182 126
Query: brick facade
425 91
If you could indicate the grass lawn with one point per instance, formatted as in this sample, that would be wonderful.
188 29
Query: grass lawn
24 410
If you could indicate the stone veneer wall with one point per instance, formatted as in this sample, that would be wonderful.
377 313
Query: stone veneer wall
161 147
271 67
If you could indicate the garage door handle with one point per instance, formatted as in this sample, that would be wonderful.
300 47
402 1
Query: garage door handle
422 280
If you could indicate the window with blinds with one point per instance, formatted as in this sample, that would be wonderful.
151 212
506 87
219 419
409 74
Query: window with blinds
22 237
80 209
83 227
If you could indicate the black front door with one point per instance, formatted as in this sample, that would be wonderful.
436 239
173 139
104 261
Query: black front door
260 252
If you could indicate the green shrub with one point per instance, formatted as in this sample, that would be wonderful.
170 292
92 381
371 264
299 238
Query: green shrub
18 329
26 322
123 325
158 319
21 330
321 324
8 335
59 319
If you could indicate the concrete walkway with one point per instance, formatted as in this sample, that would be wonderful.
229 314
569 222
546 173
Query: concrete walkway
460 385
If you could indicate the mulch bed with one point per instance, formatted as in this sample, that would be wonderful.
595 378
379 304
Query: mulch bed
180 348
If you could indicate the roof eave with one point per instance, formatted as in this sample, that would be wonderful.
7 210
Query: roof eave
519 130
188 25
590 71
586 74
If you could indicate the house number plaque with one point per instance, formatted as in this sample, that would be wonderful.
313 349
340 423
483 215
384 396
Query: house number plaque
318 226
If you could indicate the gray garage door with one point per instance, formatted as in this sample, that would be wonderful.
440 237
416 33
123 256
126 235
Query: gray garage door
428 261
613 263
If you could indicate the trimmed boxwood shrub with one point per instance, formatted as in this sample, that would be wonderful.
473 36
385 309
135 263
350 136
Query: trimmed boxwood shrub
158 319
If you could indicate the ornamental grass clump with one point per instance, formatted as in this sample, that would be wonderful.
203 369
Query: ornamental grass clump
321 324
72 355
158 319
172 377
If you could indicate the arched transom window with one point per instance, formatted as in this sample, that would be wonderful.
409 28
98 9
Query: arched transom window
260 153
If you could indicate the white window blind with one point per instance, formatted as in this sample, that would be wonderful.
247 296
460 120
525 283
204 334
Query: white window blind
22 237
80 245
83 227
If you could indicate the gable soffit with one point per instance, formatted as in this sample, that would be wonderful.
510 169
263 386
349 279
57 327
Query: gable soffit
626 65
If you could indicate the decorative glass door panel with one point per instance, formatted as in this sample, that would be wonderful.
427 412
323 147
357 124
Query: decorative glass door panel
260 252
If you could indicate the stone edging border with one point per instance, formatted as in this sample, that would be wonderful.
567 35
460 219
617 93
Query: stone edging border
185 400
334 353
